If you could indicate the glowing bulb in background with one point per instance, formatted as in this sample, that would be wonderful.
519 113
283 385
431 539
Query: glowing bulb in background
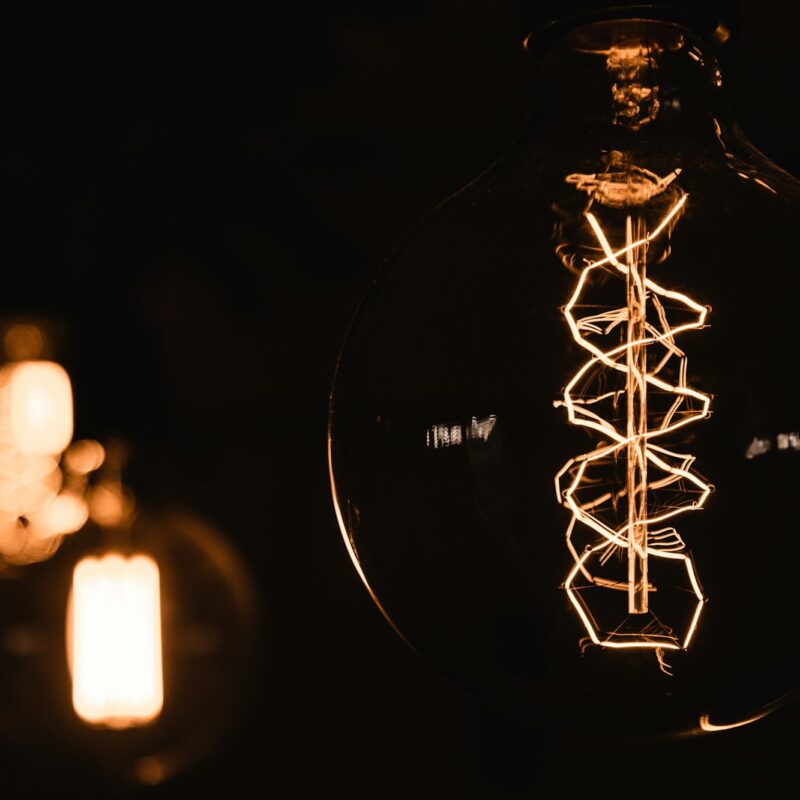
110 678
114 640
93 669
67 512
44 478
111 504
40 395
84 457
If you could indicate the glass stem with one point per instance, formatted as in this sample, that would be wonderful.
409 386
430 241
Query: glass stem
636 393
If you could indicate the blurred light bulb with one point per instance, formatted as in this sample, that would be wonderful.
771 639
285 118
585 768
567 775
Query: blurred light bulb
134 651
110 504
65 513
84 456
40 406
23 341
27 481
114 640
40 498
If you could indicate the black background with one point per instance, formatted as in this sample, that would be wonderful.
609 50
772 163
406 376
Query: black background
202 193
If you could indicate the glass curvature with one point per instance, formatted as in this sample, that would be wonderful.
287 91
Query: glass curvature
564 436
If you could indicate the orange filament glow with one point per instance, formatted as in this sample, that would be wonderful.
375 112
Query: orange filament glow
653 371
114 641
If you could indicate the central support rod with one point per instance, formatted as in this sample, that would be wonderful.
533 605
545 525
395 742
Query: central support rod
636 394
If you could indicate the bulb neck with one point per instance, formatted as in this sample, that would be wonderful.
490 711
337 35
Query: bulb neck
544 24
623 83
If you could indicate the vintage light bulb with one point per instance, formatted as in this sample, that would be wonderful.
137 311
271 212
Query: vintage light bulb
42 495
114 640
40 395
564 431
133 651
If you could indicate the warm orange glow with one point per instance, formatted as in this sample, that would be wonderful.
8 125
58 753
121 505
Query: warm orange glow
778 703
634 90
646 358
27 482
23 341
40 498
40 407
65 513
710 727
84 456
110 505
114 640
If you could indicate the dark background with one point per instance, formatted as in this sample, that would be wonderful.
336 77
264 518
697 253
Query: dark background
201 193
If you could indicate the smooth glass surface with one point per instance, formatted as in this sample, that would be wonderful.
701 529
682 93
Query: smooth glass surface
450 415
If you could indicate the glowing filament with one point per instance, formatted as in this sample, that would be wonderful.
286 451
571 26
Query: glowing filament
651 364
114 641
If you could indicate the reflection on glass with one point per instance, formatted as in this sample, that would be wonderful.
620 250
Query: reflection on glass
452 435
783 441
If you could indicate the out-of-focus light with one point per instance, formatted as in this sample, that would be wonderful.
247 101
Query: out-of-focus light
110 505
18 546
27 481
114 641
104 703
44 479
40 396
23 342
65 513
84 456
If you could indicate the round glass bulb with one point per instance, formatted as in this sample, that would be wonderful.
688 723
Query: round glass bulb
564 432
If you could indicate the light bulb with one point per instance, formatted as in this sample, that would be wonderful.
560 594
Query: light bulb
134 650
42 484
563 434
114 640
40 400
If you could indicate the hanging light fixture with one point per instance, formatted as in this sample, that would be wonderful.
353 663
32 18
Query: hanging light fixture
133 650
563 434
